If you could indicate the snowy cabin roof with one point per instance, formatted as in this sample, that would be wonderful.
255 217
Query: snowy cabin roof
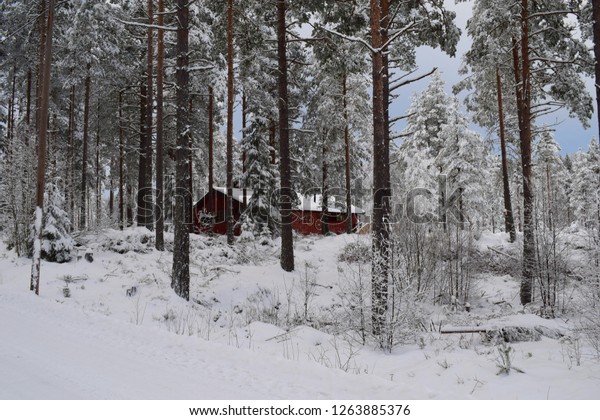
307 202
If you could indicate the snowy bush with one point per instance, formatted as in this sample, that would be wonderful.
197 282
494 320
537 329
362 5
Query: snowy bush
355 291
57 244
355 252
139 240
589 325
264 306
513 335
504 360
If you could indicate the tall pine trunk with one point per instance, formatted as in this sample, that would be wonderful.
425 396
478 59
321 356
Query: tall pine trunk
211 139
121 158
160 221
324 191
28 105
347 154
596 19
190 158
509 222
180 281
41 169
380 230
244 123
145 192
11 112
229 206
98 183
71 157
285 201
142 166
523 87
84 159
40 66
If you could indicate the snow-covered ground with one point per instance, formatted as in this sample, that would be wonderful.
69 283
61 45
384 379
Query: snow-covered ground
240 337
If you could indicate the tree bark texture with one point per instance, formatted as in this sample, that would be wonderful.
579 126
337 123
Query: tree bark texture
347 155
285 203
381 194
509 222
121 158
84 159
230 98
181 253
41 169
160 221
596 19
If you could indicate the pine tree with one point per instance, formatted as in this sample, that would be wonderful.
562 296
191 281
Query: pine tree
42 134
230 99
543 43
57 243
285 204
180 281
586 185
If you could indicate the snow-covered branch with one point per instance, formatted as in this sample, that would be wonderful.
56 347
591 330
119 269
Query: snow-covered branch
409 81
145 25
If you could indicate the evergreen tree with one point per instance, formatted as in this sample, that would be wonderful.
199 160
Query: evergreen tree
57 243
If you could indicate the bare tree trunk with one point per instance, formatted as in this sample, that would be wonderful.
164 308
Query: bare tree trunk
148 209
130 201
11 111
111 193
142 167
230 93
272 130
84 159
71 157
40 66
528 197
28 106
244 115
211 139
509 222
181 252
347 151
98 183
385 23
160 225
523 84
381 194
596 19
285 204
324 191
190 158
41 178
121 158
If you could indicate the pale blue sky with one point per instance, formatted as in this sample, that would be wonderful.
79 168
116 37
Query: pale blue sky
569 132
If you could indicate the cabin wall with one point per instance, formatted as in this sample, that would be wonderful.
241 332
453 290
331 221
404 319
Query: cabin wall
303 222
215 203
309 222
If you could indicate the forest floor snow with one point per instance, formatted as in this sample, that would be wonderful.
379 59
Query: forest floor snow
113 329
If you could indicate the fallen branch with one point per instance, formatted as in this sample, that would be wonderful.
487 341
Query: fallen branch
502 253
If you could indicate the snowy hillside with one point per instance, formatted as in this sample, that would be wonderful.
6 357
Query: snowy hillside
252 331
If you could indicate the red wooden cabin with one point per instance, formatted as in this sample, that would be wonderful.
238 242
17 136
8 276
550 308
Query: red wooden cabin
209 212
307 218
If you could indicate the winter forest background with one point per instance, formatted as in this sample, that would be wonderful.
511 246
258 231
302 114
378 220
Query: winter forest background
474 271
